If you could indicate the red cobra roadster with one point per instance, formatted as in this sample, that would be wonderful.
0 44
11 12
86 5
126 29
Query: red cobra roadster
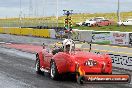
58 62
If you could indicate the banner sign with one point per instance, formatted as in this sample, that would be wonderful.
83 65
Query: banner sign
120 61
120 38
101 37
60 34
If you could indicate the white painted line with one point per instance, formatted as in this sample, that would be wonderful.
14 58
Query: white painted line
113 46
8 43
109 51
14 52
2 42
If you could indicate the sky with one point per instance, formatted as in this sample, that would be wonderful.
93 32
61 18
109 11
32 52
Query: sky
39 8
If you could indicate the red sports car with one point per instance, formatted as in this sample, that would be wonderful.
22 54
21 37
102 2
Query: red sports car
57 61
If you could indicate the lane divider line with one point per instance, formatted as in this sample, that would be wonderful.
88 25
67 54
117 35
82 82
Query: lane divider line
109 51
114 46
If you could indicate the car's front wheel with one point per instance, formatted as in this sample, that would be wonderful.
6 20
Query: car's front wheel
88 24
53 70
37 65
122 24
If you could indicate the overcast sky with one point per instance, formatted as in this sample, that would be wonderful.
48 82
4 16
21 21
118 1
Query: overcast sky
11 8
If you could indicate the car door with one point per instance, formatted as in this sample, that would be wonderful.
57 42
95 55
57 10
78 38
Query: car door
130 22
127 23
60 60
48 57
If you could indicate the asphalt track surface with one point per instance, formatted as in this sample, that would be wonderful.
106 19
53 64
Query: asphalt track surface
17 70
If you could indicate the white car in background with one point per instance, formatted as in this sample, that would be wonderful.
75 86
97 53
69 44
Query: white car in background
80 24
91 22
125 23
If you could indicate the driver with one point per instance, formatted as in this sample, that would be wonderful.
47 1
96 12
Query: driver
67 44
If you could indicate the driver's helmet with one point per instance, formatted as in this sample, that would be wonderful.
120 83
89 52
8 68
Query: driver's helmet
67 44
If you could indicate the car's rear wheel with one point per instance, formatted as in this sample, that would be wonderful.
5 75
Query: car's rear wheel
53 71
87 24
37 65
122 24
80 80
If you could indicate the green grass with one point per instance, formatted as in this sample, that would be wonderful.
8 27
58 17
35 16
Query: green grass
51 21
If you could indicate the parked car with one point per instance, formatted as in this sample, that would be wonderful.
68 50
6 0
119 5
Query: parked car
80 24
91 22
125 23
103 23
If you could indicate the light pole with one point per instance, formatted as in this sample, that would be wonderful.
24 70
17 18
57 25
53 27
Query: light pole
57 12
118 11
20 14
30 8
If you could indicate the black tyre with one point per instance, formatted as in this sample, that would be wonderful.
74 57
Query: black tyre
122 24
53 71
87 24
80 80
37 66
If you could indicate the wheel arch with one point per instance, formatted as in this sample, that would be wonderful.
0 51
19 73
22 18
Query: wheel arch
52 60
57 65
39 56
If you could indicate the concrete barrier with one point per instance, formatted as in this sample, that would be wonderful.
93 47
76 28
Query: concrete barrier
1 30
85 35
99 37
52 33
26 31
75 34
44 33
17 31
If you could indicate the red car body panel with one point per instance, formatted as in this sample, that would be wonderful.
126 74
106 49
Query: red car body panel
104 23
66 62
